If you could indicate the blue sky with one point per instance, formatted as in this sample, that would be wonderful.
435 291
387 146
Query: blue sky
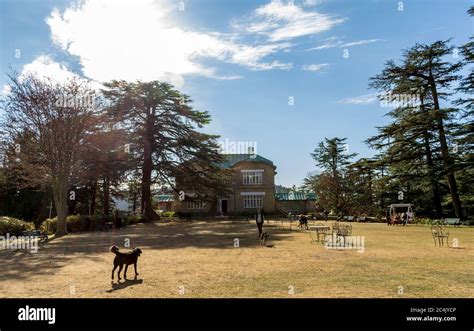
240 60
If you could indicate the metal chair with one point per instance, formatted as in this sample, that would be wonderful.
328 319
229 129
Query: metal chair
438 233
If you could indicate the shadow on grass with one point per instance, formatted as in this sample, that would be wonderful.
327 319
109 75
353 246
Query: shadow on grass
63 251
128 282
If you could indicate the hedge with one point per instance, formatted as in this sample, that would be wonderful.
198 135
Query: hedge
14 226
82 223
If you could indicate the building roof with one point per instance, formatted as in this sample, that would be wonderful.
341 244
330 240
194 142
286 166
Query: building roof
295 195
233 159
165 198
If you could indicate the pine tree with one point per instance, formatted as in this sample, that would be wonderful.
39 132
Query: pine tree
332 156
165 138
424 68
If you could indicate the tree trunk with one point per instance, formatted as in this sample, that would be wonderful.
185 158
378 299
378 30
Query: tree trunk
72 203
447 160
432 175
60 191
93 197
431 170
147 207
106 196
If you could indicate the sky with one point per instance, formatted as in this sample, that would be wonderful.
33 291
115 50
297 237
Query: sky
277 75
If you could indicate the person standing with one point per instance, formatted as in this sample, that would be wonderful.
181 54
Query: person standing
259 219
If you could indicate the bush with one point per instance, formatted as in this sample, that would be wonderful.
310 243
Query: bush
49 225
74 223
81 223
168 214
14 226
133 219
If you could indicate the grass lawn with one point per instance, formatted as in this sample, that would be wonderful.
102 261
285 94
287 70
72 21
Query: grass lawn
199 259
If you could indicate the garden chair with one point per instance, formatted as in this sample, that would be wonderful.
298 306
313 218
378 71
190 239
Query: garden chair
343 231
439 235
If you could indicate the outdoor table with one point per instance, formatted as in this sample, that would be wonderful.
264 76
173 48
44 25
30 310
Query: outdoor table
320 230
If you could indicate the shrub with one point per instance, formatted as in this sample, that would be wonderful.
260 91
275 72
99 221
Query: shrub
74 223
80 223
14 226
50 225
133 219
168 214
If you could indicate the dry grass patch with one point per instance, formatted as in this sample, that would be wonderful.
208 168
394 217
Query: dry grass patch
200 258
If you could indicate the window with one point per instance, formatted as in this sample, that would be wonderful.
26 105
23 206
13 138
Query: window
252 177
198 204
253 201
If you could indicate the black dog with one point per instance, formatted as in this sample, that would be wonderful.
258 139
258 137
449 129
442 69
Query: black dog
263 238
125 259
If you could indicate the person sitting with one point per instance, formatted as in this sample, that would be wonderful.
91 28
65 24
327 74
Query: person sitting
404 218
397 218
303 222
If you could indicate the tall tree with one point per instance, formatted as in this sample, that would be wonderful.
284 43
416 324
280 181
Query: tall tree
332 157
427 65
46 123
408 143
165 137
465 133
105 161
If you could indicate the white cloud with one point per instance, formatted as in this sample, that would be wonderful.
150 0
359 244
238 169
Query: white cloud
327 45
311 3
314 67
359 42
45 67
250 55
284 21
338 43
365 99
137 41
5 90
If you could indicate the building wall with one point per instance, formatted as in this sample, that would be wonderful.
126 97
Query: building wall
267 187
182 207
235 202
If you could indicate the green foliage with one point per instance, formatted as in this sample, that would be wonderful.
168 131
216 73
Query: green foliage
331 185
82 223
134 219
14 226
415 148
168 214
166 139
49 225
